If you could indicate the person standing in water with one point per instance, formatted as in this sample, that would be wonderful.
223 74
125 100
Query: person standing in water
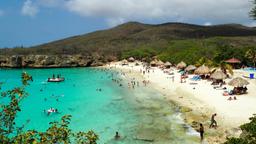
201 131
117 136
213 121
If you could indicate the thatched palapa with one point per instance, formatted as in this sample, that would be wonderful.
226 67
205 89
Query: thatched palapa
124 62
131 59
190 68
181 65
218 75
238 82
202 70
159 63
167 64
153 63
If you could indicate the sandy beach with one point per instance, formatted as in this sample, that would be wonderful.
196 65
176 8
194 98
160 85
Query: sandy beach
200 100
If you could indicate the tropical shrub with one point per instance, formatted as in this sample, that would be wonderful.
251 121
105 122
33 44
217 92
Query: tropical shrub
248 135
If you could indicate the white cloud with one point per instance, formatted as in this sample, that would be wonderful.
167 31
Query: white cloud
115 21
208 24
114 11
29 8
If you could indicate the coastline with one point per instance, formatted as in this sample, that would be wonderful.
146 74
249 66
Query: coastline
196 109
163 115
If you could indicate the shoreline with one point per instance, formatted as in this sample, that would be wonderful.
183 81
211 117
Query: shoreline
158 128
194 108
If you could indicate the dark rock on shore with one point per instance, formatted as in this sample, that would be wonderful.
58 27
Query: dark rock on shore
50 61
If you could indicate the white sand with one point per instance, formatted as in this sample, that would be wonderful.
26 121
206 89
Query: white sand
204 98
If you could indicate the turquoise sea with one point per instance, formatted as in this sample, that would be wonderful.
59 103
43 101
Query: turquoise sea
140 113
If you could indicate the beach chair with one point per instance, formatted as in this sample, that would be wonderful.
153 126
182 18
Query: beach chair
198 78
195 78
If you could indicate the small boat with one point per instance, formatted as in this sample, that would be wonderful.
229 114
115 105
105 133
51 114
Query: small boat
51 110
56 79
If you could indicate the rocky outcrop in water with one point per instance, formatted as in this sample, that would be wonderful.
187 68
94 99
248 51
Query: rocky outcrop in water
51 61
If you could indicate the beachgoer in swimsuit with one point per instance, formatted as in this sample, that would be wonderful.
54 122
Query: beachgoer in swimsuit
201 131
117 136
213 121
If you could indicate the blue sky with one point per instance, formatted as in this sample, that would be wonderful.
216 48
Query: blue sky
33 22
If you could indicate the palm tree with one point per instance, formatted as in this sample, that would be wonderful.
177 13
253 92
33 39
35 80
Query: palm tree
222 65
226 67
251 54
204 61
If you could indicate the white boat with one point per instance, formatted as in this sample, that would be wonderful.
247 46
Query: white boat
51 110
55 79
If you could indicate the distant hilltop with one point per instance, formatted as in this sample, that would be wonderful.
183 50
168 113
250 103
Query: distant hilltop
121 41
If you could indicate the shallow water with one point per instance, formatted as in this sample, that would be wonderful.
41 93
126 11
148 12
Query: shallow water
250 69
141 113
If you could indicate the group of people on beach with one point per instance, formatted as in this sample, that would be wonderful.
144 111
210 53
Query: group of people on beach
133 83
145 70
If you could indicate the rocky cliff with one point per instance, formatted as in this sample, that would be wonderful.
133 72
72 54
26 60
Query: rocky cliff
51 61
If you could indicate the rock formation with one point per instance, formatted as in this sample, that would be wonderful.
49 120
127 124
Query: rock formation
50 61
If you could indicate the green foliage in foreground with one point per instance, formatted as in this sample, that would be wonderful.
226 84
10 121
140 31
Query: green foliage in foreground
248 135
58 132
253 11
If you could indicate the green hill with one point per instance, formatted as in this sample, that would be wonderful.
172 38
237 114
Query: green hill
169 41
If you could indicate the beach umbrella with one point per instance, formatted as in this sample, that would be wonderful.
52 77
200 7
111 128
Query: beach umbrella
131 59
153 63
190 68
167 64
218 75
137 62
233 61
212 70
202 70
238 82
124 62
159 63
181 65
